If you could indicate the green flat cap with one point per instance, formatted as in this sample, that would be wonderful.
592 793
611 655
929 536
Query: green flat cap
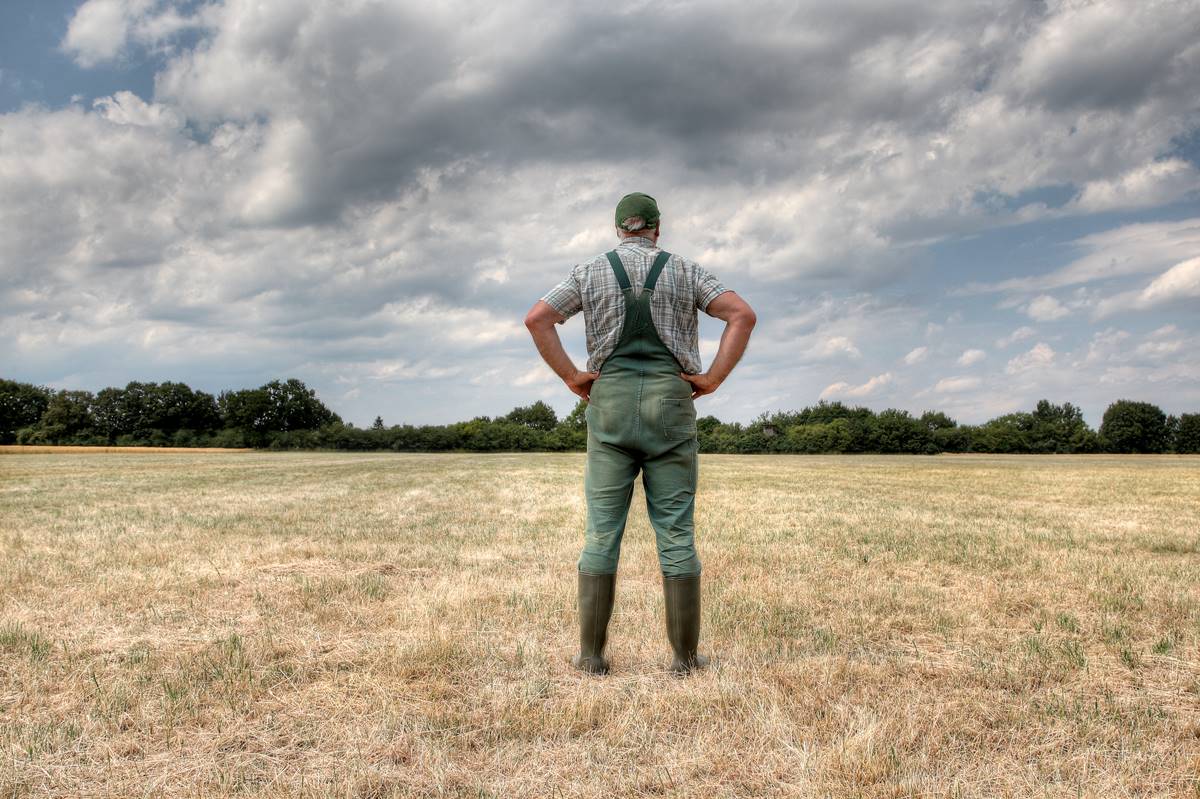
637 204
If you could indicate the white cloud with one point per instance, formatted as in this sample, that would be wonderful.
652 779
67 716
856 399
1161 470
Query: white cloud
539 373
970 357
1141 248
98 30
1165 330
956 385
916 356
867 389
1039 357
1020 334
1106 346
833 347
1149 185
126 108
1180 282
1160 349
1046 309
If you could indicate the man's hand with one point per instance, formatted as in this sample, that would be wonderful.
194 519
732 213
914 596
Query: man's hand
581 383
701 384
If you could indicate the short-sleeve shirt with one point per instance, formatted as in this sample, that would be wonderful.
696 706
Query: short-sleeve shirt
683 288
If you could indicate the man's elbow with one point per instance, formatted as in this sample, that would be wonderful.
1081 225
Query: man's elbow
541 316
747 318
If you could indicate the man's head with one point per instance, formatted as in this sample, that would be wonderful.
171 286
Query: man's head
637 215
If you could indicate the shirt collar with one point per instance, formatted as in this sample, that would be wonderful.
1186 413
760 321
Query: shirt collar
640 241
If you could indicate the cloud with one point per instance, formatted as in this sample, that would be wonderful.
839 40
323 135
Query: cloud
1145 186
970 357
1102 56
1135 249
1046 309
1165 330
1039 357
1020 334
1179 283
1106 346
98 30
833 347
956 385
324 187
1160 349
101 31
867 389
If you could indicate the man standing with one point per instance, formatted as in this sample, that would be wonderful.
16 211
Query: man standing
639 306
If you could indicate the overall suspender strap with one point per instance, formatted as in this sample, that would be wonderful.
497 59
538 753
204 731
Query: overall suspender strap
619 268
656 269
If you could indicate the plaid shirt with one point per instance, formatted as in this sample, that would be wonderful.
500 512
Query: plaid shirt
682 288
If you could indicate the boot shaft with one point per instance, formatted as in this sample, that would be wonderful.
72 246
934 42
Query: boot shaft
682 595
596 594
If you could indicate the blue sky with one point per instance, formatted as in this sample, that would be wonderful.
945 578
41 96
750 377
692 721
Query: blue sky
966 207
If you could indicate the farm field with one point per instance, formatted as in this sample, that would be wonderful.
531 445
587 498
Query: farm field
399 625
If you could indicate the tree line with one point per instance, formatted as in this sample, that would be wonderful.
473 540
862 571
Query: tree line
288 415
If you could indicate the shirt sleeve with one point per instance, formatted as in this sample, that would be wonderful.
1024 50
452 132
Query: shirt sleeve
566 298
707 287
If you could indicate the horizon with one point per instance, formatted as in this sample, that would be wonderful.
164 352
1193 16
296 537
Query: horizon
957 209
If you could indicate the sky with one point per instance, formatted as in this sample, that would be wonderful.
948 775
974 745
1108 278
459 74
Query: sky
962 206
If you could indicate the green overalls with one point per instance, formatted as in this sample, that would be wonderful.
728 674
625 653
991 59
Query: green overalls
641 416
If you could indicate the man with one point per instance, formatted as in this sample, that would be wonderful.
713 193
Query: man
639 306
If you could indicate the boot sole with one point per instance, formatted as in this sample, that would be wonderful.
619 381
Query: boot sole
590 665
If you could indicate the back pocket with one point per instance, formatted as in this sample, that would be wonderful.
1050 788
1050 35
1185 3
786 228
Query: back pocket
678 417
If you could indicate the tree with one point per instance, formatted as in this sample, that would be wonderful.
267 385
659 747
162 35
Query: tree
936 420
898 431
576 420
1057 428
274 408
244 409
1007 433
378 423
291 405
68 419
538 416
21 405
819 437
1187 434
145 411
1130 426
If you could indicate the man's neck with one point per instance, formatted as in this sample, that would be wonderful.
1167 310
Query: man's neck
645 241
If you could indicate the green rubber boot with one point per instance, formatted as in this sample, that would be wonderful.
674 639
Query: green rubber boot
683 622
596 593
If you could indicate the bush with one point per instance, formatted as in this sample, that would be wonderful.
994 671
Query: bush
1139 427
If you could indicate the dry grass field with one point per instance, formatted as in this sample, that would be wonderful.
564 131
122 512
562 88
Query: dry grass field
378 625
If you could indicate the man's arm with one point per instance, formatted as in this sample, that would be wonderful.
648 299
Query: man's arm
541 320
739 320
